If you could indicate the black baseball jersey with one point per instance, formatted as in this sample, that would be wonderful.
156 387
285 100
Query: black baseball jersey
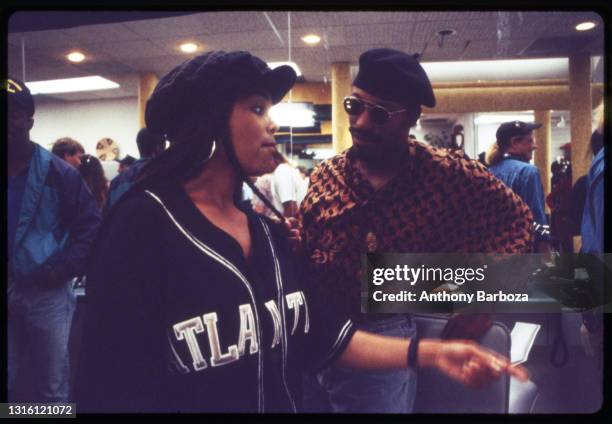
178 320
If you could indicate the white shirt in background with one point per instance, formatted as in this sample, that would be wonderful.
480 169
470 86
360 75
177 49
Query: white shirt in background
287 185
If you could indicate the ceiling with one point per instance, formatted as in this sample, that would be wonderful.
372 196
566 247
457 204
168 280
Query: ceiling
120 45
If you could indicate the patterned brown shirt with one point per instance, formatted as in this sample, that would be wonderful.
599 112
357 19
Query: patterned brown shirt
440 201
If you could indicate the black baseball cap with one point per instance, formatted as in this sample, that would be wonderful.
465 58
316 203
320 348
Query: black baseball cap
396 76
127 160
199 84
19 94
508 130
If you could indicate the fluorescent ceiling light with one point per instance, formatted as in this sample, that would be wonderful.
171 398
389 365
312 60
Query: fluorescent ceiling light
292 115
311 39
292 64
71 85
492 118
75 57
495 70
585 26
189 47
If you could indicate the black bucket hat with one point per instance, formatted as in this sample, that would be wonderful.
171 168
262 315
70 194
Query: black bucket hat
199 84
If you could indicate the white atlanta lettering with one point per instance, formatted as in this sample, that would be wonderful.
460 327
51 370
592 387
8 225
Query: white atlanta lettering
189 329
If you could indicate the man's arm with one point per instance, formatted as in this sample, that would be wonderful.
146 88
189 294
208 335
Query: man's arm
80 218
534 197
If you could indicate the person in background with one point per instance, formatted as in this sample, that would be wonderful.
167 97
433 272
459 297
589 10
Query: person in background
287 187
482 158
592 234
68 149
52 220
508 160
93 174
558 200
150 145
264 185
579 190
125 163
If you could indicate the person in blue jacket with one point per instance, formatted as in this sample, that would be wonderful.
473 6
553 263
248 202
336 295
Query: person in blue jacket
52 221
592 230
509 159
149 146
592 233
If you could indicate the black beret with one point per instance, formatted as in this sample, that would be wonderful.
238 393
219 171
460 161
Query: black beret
19 93
199 84
394 75
507 130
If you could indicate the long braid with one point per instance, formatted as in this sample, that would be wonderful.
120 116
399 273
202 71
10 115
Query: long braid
265 200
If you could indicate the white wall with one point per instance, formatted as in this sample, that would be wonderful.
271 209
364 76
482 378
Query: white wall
87 122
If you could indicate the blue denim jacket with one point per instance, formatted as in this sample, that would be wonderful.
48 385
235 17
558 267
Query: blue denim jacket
524 179
57 222
592 230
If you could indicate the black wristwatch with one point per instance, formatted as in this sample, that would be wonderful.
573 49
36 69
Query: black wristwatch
413 352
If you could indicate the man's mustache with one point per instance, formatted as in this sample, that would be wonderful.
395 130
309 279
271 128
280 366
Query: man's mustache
368 135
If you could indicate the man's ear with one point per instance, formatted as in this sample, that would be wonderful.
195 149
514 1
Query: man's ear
515 140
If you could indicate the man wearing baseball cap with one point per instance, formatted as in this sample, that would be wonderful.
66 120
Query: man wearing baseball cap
390 193
509 159
52 221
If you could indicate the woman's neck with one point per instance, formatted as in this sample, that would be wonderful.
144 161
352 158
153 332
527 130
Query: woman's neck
215 185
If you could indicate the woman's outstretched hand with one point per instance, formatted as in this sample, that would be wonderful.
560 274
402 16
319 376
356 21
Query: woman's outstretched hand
467 362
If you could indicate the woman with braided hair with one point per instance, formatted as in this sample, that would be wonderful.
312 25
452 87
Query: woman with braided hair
194 304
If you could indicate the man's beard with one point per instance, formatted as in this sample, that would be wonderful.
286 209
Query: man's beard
378 154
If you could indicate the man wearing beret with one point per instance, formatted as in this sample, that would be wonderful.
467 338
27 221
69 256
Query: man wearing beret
52 221
391 193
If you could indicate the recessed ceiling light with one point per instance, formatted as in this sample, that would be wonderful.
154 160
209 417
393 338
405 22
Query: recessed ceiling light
585 26
75 57
189 47
311 39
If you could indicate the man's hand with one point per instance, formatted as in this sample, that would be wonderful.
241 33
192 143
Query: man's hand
467 362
